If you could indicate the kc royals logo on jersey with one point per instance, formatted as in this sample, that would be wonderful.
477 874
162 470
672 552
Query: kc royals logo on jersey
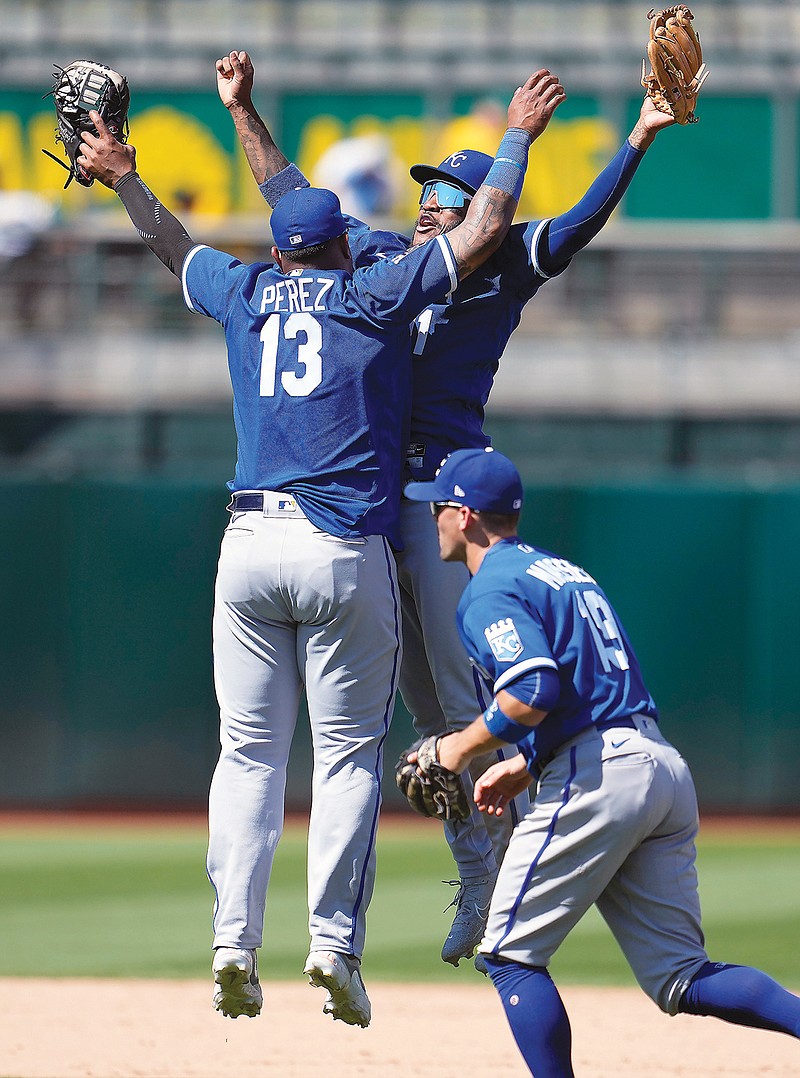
502 638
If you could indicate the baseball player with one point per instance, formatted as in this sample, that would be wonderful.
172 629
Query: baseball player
614 819
457 346
306 591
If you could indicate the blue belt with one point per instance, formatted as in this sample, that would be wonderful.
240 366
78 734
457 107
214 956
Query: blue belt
248 501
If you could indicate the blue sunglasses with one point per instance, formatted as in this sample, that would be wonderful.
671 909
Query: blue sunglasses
448 196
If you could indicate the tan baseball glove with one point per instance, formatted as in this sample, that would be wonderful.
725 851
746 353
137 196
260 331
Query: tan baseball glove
677 70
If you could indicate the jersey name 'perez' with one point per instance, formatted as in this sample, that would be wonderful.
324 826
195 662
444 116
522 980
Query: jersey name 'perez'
299 293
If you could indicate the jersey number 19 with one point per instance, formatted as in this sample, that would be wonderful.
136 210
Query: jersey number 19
594 609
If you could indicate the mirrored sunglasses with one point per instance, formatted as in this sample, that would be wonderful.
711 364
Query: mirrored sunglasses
448 196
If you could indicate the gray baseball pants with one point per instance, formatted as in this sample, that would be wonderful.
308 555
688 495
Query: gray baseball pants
298 608
613 823
439 686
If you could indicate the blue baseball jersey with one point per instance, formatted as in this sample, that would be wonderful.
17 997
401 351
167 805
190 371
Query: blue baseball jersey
457 342
457 345
320 367
526 609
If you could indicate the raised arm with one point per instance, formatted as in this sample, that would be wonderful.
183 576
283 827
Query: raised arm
114 165
571 231
492 209
235 86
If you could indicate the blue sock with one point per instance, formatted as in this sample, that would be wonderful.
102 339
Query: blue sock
744 996
536 1015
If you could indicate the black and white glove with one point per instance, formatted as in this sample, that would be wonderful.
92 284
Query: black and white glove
430 788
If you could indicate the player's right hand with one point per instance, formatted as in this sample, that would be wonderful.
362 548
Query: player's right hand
500 784
534 103
234 78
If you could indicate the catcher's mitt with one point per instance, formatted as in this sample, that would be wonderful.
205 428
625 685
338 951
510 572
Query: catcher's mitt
435 792
82 86
677 70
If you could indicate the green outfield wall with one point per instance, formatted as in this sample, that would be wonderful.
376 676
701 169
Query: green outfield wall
106 694
209 174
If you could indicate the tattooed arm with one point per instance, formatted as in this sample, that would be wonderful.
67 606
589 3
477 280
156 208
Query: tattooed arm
235 85
492 209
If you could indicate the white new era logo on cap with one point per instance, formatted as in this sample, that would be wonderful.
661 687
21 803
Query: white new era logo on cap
296 239
458 491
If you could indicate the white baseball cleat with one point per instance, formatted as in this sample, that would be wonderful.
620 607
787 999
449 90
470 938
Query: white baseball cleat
340 974
236 978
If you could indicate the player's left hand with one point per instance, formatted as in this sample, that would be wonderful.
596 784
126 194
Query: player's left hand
534 103
103 156
651 121
500 784
652 118
428 785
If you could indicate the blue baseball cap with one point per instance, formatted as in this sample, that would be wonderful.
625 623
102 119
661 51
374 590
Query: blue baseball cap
305 217
467 169
483 479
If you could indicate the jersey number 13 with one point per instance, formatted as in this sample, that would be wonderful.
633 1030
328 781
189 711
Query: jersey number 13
307 358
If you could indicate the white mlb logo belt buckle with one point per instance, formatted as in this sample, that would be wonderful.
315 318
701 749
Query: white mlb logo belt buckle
285 505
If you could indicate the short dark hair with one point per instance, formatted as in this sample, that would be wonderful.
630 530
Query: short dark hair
306 254
500 522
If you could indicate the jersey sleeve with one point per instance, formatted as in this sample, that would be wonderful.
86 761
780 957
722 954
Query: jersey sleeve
505 638
210 279
522 257
368 245
397 289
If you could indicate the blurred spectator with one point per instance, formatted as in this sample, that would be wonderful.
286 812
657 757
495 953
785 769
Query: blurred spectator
481 129
23 218
362 171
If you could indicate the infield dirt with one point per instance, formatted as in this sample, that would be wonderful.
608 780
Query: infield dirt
167 1029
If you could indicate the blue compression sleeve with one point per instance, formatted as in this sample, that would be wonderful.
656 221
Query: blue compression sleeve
570 232
744 996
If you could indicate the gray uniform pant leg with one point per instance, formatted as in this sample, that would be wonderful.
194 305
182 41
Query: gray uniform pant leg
294 605
438 684
613 823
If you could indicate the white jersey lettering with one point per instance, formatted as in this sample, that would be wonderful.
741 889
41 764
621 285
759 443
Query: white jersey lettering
556 572
296 295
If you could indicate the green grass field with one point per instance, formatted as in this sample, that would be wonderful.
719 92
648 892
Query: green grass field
133 901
